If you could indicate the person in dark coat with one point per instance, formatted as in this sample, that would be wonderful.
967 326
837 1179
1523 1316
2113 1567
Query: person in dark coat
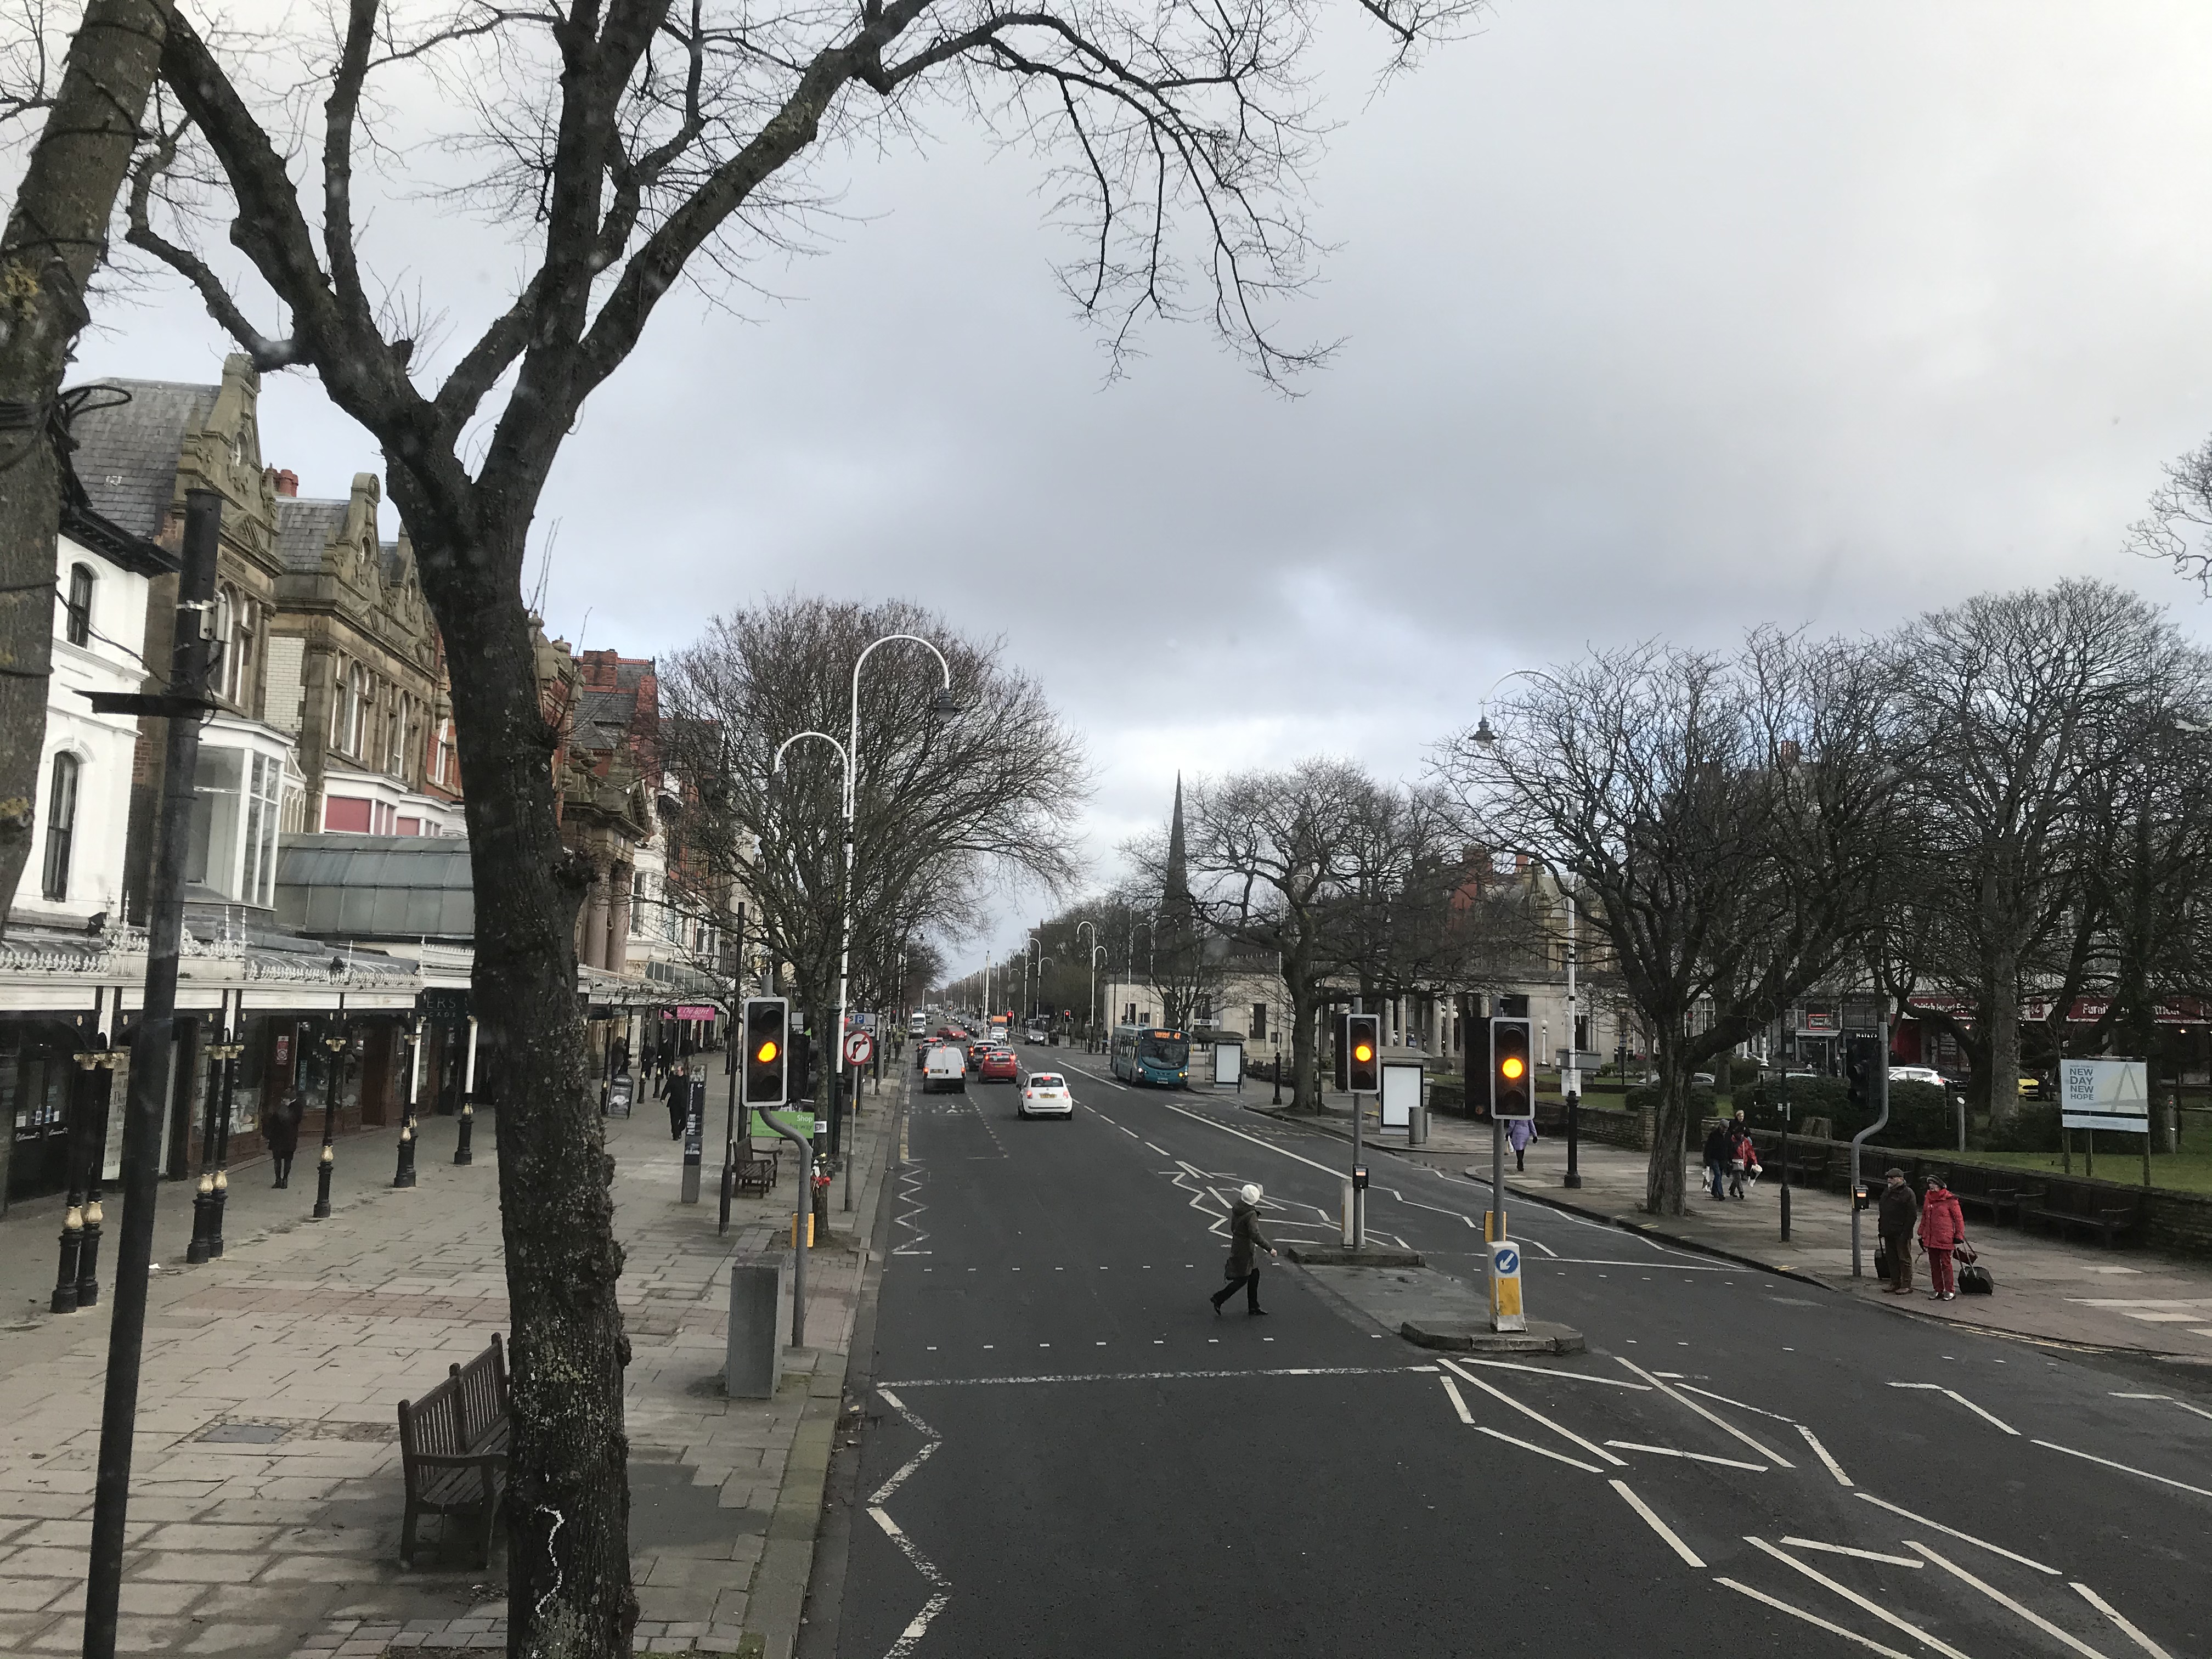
1893 1220
1240 1270
679 1101
1717 1159
280 1132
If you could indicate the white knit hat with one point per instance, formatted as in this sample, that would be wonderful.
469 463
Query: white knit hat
1251 1193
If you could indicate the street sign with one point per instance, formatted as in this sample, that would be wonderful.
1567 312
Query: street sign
1401 1093
1228 1066
619 1095
858 1046
2104 1094
1505 1313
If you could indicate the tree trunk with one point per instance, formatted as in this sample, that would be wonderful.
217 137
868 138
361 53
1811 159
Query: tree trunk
1663 1182
569 1586
55 239
2002 1008
1305 1096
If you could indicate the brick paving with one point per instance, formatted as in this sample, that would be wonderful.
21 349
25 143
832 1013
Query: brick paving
266 1492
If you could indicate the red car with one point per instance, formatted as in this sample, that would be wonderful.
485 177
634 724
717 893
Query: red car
998 1066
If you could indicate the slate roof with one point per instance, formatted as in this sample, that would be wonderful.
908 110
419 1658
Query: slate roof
303 531
126 455
603 718
376 886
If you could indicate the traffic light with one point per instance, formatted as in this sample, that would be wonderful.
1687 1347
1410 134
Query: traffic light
1860 1054
767 1050
1512 1074
1360 1054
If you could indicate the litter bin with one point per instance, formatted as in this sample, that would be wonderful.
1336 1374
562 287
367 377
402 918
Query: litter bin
760 1316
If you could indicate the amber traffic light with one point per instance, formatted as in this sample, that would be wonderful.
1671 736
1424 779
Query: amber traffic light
1512 1092
768 1045
1359 1051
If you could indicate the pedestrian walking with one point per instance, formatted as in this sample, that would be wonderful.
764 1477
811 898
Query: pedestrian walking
1521 1131
280 1132
678 1089
1943 1229
1716 1158
1743 1159
1241 1269
1894 1218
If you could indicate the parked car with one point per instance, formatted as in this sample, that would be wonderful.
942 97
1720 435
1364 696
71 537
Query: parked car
2031 1088
1927 1074
1044 1093
998 1066
944 1069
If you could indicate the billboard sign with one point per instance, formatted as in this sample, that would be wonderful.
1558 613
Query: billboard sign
2104 1094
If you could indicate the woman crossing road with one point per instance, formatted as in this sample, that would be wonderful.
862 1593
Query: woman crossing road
1244 1237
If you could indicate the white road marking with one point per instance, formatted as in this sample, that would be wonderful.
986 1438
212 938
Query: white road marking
1155 1376
1256 1140
2004 1601
1541 1371
1695 1457
1538 1243
1821 1452
883 1493
2126 1629
1780 1606
2052 1445
1740 1405
1952 1532
918 1629
1766 1452
1937 1388
1601 1261
2169 1400
1858 1555
1656 1525
1541 1451
1162 1151
1458 1404
1596 1451
890 1400
1856 1599
891 1527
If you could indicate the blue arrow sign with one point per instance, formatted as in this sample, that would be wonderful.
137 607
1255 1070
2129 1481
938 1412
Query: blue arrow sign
1508 1260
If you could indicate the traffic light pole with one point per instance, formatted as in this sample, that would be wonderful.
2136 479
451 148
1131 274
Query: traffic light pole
1858 1193
1358 1162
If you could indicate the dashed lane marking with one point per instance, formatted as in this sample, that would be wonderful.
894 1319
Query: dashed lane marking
1780 1606
2090 1458
1155 1377
1855 1598
1952 1532
2169 1400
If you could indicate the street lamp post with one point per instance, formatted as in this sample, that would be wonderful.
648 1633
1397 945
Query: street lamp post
336 1041
1090 1014
404 1174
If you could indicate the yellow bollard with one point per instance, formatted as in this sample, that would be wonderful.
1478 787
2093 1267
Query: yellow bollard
809 1231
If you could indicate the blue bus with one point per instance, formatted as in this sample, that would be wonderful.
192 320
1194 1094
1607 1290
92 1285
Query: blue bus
1146 1054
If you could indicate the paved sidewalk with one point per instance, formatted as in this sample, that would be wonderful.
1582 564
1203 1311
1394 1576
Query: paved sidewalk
2047 1289
266 1495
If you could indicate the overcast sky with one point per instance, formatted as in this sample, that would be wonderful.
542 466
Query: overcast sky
1657 320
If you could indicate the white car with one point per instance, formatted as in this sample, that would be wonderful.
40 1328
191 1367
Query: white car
1044 1093
1927 1074
945 1067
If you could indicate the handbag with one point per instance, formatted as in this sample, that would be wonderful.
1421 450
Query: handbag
1976 1281
1965 1254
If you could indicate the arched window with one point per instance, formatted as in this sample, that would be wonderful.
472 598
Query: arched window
61 826
441 767
237 651
395 751
364 704
339 704
77 629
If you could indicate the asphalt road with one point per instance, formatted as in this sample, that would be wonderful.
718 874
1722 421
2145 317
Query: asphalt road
1068 1453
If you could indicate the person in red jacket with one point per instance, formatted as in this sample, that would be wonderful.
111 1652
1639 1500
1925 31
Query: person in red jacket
1943 1229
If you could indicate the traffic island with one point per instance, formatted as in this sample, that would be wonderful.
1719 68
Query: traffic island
1344 1255
1431 1310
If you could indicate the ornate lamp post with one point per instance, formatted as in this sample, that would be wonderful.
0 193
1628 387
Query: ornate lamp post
404 1174
337 1043
214 1154
75 1281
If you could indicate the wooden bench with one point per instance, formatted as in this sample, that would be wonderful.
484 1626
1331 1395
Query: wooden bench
452 1448
2109 1211
756 1171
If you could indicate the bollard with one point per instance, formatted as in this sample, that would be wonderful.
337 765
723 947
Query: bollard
203 1201
323 1171
64 1298
404 1174
215 1215
461 1153
760 1303
87 1260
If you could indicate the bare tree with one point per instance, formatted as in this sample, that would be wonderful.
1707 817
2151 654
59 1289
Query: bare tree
940 800
629 146
1723 819
55 240
2021 713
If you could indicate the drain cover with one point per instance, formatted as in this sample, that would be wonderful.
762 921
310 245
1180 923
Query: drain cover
251 1434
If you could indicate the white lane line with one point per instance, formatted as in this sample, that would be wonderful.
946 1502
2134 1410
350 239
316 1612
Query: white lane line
1821 1452
2004 1601
883 1493
1541 1451
1544 1370
1256 1142
2126 1628
1162 1151
1952 1532
1539 1244
1153 1376
1766 1452
1596 1451
1780 1606
918 1629
1856 1599
2090 1458
1656 1525
2169 1400
1459 1404
890 1400
1695 1457
1952 1394
891 1527
1857 1555
1742 1405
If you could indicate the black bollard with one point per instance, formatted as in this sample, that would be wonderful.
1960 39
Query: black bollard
203 1201
322 1211
461 1153
1574 1140
87 1257
404 1174
64 1300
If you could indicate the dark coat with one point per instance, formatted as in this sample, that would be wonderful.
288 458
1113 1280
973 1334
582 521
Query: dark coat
1244 1237
1897 1210
1717 1145
280 1126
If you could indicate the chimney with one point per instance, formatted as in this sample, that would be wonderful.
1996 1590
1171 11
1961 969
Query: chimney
288 483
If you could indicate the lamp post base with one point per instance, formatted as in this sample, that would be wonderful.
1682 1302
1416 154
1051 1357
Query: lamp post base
322 1210
196 1253
462 1154
65 1297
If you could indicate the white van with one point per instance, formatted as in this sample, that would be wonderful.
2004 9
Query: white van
946 1068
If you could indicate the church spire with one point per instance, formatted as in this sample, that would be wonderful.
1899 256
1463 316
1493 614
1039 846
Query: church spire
1178 874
